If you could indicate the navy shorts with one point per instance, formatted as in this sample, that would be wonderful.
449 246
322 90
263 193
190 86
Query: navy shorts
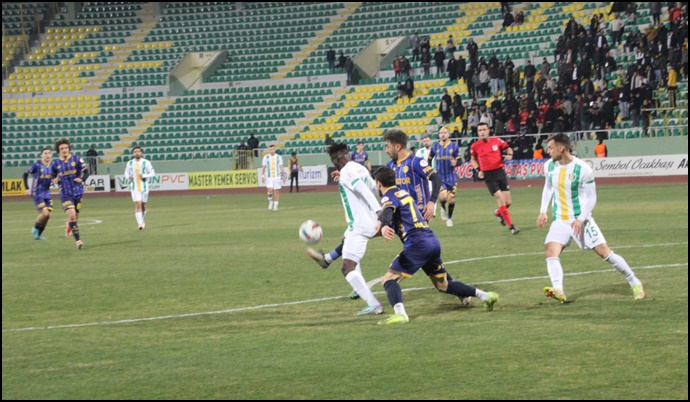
422 250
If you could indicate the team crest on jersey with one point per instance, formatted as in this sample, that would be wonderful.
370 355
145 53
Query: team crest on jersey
405 169
571 177
494 148
74 163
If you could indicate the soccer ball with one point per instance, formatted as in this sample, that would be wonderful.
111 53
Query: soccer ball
310 232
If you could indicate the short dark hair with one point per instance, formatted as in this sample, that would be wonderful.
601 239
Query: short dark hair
294 154
385 176
483 124
396 136
360 142
61 141
335 149
45 149
134 148
560 139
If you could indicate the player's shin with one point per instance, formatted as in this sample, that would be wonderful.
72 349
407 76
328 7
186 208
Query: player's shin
622 266
394 294
359 285
553 266
503 211
75 230
461 290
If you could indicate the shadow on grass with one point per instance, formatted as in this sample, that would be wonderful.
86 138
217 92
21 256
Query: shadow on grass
92 246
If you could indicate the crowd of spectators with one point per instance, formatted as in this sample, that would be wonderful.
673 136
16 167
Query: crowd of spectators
588 92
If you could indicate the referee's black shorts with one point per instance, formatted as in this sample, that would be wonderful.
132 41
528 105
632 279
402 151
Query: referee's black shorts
496 180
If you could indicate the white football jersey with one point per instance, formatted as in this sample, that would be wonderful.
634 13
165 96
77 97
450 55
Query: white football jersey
567 185
142 166
273 164
358 211
423 153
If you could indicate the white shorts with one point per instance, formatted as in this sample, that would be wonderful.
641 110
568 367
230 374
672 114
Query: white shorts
355 244
274 183
140 196
561 232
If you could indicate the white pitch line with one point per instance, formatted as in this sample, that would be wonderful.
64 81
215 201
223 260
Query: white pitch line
235 310
565 251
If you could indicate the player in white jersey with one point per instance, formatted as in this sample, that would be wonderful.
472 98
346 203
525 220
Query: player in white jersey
423 153
357 192
138 171
273 172
570 188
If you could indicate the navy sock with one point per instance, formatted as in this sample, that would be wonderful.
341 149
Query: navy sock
75 230
460 289
443 205
393 291
451 208
337 252
41 227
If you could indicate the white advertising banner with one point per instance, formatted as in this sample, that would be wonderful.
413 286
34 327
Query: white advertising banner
309 176
640 166
97 183
159 182
94 184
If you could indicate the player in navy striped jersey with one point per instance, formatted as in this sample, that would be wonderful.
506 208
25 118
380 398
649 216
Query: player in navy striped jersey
71 172
412 173
421 249
361 156
40 191
446 154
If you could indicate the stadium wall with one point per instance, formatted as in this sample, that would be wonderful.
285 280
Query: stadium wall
585 149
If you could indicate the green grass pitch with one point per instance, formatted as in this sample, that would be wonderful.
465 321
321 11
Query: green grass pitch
216 299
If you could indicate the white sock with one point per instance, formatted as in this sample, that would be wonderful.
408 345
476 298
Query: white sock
482 295
328 258
139 217
144 213
553 265
622 266
275 205
359 285
399 309
270 203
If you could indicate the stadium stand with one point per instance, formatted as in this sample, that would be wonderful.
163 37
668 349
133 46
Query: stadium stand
103 77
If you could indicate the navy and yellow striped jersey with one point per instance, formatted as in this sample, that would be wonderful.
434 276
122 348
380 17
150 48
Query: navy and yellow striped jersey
443 155
412 175
360 158
40 184
67 170
406 218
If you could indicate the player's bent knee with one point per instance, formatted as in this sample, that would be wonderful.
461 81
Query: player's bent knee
348 266
390 276
441 284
